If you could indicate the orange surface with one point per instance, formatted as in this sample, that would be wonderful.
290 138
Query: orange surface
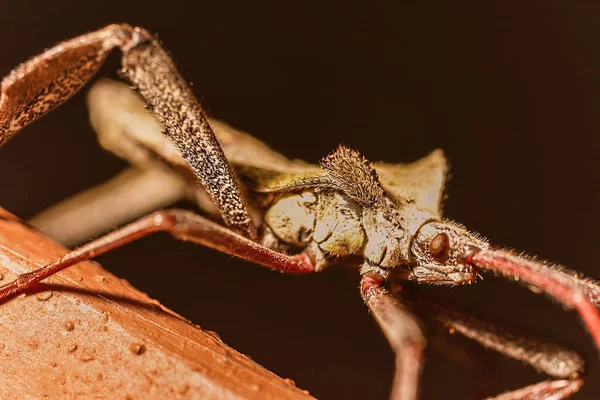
86 332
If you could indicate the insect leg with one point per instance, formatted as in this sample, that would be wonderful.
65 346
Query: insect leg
48 80
555 390
566 367
403 332
568 290
183 225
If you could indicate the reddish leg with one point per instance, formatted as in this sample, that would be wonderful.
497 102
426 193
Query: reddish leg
563 365
590 286
183 225
556 283
549 390
403 332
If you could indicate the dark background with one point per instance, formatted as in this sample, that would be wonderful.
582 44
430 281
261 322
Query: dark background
510 90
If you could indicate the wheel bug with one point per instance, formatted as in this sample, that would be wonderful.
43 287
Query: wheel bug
387 213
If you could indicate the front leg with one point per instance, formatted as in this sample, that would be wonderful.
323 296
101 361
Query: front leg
48 80
183 225
403 332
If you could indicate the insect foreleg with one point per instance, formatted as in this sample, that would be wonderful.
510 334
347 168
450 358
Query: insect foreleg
48 80
183 225
566 289
403 332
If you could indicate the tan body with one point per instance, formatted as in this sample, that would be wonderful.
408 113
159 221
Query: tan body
325 224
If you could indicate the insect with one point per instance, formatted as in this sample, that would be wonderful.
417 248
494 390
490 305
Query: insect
286 215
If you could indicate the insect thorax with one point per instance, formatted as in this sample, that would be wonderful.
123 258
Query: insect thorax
329 225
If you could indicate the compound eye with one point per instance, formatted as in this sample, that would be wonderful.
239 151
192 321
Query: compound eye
439 245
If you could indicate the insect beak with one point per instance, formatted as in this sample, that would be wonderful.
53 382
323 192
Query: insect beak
465 275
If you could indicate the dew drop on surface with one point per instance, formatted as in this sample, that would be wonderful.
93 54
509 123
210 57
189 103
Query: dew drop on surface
451 331
44 296
289 381
254 387
306 392
184 389
88 355
72 348
215 335
69 326
137 348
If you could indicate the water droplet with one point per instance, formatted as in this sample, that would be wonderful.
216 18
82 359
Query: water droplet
290 381
137 348
306 392
215 335
200 369
44 296
254 387
88 355
452 331
69 326
72 348
184 389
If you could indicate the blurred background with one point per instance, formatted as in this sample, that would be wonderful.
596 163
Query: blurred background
510 91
